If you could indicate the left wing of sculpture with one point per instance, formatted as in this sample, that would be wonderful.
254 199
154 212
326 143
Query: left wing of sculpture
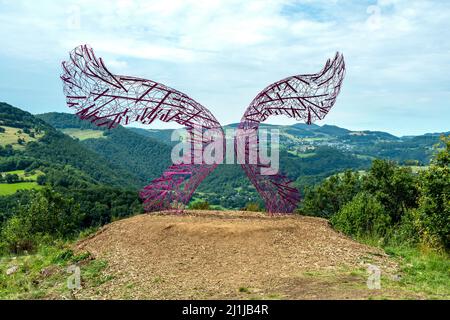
109 100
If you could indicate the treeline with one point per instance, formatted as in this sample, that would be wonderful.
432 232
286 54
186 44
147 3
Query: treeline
44 216
389 202
229 187
14 117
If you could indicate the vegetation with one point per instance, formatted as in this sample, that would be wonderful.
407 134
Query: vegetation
12 188
389 202
127 151
199 205
44 274
52 187
83 134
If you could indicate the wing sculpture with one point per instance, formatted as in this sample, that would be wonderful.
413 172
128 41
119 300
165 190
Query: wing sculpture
303 97
110 100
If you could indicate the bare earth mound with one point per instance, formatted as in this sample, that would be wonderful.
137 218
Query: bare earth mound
230 255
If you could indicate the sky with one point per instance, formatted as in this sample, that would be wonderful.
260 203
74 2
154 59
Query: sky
222 53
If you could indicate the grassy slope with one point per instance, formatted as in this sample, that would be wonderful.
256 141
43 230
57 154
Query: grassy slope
11 135
83 134
43 275
8 189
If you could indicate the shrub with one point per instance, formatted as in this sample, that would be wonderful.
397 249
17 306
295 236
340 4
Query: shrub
363 216
328 198
252 206
47 215
395 187
432 218
16 235
199 205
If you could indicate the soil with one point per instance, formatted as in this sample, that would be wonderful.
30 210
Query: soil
231 255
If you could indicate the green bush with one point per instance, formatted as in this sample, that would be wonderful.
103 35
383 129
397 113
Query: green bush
199 205
363 216
253 207
395 187
16 236
47 215
326 199
432 218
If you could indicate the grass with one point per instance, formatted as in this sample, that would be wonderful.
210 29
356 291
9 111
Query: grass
11 135
44 275
84 134
423 271
8 189
22 174
11 188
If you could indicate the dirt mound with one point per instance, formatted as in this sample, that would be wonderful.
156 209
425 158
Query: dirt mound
229 255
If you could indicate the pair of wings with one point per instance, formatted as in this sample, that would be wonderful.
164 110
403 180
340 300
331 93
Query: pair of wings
109 100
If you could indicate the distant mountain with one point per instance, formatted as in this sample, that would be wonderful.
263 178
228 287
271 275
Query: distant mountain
77 154
14 117
162 135
332 130
304 139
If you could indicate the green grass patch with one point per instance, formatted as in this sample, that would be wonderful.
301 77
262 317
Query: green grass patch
44 274
25 175
84 134
423 271
12 135
8 189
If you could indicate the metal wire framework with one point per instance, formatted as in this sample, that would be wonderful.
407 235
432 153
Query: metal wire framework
109 100
306 98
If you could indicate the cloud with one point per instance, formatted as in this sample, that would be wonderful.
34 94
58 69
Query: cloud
223 52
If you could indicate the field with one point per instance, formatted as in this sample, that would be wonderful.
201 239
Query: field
12 135
8 189
83 134
11 188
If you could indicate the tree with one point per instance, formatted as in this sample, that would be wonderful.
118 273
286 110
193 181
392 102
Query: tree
363 216
328 198
395 187
12 178
41 180
432 218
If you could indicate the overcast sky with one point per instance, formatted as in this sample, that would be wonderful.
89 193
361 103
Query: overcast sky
222 53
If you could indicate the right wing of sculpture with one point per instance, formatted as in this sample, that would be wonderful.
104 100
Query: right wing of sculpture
109 100
302 97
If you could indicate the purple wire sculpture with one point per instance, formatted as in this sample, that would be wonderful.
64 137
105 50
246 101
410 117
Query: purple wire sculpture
109 100
302 97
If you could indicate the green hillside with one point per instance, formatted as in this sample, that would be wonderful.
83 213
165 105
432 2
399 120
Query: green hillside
142 157
51 159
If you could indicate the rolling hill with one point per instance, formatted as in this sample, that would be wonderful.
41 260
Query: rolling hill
142 157
77 153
